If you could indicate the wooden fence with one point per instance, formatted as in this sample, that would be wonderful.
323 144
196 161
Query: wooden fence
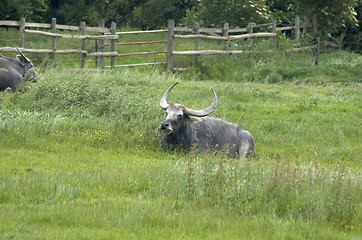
224 35
101 33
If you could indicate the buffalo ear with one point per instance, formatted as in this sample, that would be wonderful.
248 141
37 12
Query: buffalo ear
21 60
194 120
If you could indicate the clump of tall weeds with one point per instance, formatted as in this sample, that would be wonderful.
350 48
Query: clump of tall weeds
312 192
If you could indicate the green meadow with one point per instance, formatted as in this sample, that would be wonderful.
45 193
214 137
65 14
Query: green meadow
80 156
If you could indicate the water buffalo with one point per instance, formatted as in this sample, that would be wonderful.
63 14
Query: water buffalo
184 128
14 70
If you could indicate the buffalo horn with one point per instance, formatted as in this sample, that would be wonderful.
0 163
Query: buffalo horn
203 112
188 111
22 54
163 102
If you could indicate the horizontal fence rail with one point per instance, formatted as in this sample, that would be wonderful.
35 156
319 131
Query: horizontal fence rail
26 50
251 35
136 43
138 32
48 25
105 37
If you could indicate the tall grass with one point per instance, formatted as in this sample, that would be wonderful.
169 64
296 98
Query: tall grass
311 192
80 153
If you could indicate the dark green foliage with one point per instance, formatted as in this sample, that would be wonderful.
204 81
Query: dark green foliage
236 13
32 10
155 13
139 14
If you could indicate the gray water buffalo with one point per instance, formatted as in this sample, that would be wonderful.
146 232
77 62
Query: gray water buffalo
184 128
14 70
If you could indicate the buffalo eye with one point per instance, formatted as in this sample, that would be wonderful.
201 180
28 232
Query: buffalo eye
179 116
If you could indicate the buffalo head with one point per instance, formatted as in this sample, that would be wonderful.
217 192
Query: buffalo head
27 67
177 114
13 71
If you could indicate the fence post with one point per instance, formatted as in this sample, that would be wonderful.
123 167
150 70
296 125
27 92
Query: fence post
96 50
297 31
250 30
314 23
170 45
21 32
305 28
225 32
197 46
101 47
113 44
54 29
274 30
82 45
317 51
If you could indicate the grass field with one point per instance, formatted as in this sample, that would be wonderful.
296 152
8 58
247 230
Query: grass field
81 159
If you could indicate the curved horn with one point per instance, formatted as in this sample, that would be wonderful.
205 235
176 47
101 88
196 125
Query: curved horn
204 112
22 54
163 102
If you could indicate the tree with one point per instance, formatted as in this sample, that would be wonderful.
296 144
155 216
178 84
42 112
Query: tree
234 12
332 14
33 10
335 18
135 13
154 13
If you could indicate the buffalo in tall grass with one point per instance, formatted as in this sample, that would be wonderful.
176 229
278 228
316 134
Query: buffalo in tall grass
14 70
185 128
